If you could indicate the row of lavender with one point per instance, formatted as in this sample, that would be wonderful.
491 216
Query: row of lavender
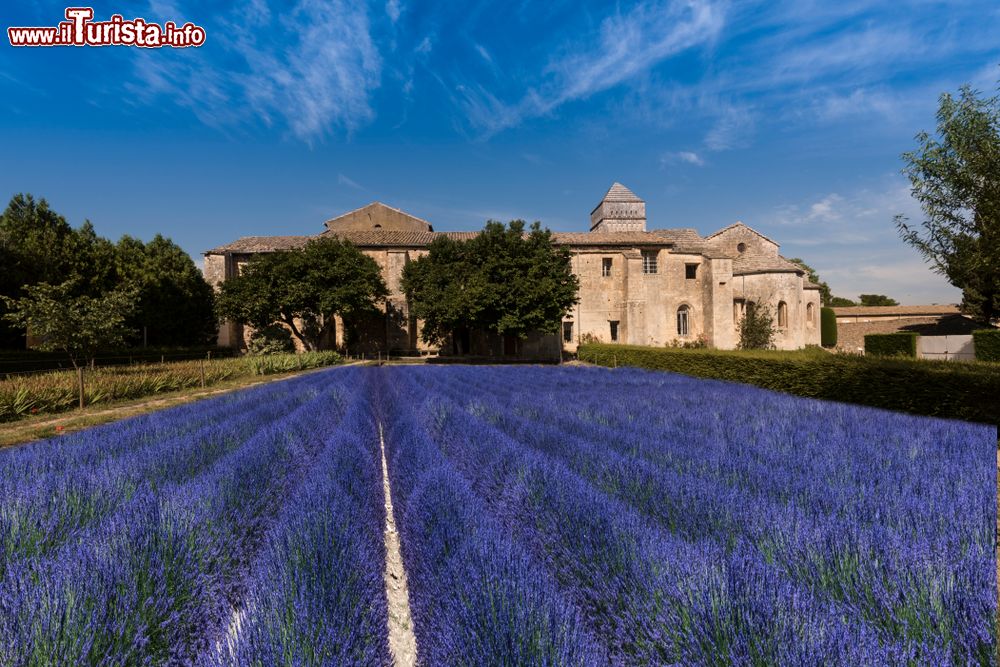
577 516
183 536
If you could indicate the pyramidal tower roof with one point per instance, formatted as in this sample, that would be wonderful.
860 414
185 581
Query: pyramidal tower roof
619 193
620 210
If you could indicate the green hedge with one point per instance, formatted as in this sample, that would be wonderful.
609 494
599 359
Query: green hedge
987 344
828 327
899 344
936 388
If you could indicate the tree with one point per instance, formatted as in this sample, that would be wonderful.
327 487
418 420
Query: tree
824 290
839 301
956 178
175 303
32 237
76 325
503 280
877 300
303 289
756 327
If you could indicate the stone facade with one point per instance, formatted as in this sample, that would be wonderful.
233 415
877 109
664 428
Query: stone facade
639 287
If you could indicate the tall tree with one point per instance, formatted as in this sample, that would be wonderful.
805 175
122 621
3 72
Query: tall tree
503 280
824 290
303 289
956 178
175 303
66 322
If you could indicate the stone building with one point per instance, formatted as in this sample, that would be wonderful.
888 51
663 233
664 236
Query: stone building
637 286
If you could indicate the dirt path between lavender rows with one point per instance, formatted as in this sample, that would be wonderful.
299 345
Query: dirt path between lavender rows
402 641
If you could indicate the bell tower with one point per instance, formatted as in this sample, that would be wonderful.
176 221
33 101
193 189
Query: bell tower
619 211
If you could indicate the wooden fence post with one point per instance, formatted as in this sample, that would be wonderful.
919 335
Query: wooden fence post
202 373
79 379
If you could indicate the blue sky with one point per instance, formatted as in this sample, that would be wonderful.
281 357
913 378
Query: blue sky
790 116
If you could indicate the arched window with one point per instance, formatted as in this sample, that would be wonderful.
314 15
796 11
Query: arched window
810 315
782 315
683 321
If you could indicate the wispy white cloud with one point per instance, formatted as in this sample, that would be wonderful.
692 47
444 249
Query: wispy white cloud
624 46
733 128
312 67
851 240
688 157
344 180
393 10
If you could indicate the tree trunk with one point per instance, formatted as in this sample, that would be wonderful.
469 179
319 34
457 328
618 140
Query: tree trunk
306 343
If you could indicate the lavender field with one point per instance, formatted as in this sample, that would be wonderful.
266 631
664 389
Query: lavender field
547 516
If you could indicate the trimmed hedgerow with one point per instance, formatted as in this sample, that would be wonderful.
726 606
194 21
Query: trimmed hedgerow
935 388
987 344
828 327
898 344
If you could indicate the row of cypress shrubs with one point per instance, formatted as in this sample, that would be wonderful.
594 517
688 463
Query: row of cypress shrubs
934 388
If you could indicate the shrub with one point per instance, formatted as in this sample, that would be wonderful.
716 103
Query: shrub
274 339
828 327
936 388
899 344
756 327
987 344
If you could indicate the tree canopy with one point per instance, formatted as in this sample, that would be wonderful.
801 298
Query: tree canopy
955 176
303 289
175 304
78 325
877 300
503 280
37 245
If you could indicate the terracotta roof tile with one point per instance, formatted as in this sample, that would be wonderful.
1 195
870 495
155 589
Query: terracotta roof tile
253 244
751 262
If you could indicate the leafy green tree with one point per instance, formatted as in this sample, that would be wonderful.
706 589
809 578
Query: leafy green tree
76 325
824 290
956 178
175 303
503 280
303 289
839 301
756 327
877 300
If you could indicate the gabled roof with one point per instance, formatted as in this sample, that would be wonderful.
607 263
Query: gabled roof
377 205
737 225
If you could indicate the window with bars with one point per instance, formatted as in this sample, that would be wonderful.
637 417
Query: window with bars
606 267
682 321
690 271
568 332
649 261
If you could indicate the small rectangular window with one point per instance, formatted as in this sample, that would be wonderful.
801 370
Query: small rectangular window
606 267
649 261
568 332
690 271
614 330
